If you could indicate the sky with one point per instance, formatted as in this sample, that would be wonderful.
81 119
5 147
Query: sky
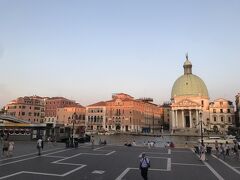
88 50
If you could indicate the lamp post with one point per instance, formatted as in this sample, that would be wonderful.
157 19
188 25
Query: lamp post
73 123
201 124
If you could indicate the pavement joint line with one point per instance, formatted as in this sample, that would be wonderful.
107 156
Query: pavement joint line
11 175
55 156
55 162
123 174
169 164
154 157
226 164
185 164
219 177
169 151
96 149
214 171
74 170
56 152
79 154
154 153
39 173
44 174
120 177
100 149
34 157
16 157
182 151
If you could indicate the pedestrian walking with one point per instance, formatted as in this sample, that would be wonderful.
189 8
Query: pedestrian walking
227 147
222 151
236 150
42 145
217 148
92 142
144 165
149 145
5 147
39 146
202 152
1 136
10 148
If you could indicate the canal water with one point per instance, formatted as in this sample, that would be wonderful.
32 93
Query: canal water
121 139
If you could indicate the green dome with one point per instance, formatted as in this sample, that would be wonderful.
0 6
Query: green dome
189 85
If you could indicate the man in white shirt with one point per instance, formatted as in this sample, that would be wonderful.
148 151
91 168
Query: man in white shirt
39 145
144 165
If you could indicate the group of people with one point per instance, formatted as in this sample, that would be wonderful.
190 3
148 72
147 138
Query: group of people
7 147
223 150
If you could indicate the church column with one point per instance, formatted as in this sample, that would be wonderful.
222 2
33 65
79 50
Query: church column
176 119
183 120
190 117
197 116
173 119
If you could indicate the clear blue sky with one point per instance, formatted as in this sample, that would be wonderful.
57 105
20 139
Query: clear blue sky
87 50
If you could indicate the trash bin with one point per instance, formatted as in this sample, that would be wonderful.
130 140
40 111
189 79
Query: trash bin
209 150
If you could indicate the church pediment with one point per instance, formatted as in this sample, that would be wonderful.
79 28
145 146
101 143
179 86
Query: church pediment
186 103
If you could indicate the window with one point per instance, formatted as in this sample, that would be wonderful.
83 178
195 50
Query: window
215 119
214 110
202 103
36 108
221 110
222 119
23 113
229 119
228 111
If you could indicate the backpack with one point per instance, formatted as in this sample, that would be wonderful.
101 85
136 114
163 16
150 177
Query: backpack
148 163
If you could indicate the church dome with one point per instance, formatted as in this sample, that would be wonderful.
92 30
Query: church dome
189 84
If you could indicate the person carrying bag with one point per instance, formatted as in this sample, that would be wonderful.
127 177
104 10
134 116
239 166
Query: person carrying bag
144 165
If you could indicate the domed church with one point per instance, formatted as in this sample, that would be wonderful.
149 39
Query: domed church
191 107
190 100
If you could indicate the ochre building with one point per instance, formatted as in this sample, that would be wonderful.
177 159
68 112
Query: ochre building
124 114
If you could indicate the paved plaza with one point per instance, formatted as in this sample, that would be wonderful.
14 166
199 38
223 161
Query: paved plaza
111 163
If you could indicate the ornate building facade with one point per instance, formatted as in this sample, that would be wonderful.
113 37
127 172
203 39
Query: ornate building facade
29 108
124 114
221 115
96 117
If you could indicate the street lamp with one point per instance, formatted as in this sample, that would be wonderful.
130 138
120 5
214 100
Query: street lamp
201 124
73 121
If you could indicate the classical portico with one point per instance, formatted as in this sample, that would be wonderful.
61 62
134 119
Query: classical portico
185 114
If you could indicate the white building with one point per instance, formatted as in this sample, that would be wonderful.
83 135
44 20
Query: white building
191 108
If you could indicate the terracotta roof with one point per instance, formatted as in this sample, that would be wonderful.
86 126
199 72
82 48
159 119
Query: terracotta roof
101 103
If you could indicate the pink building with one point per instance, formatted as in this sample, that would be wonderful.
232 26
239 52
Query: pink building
51 106
27 108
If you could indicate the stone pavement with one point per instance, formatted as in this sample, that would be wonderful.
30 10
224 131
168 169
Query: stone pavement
112 163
